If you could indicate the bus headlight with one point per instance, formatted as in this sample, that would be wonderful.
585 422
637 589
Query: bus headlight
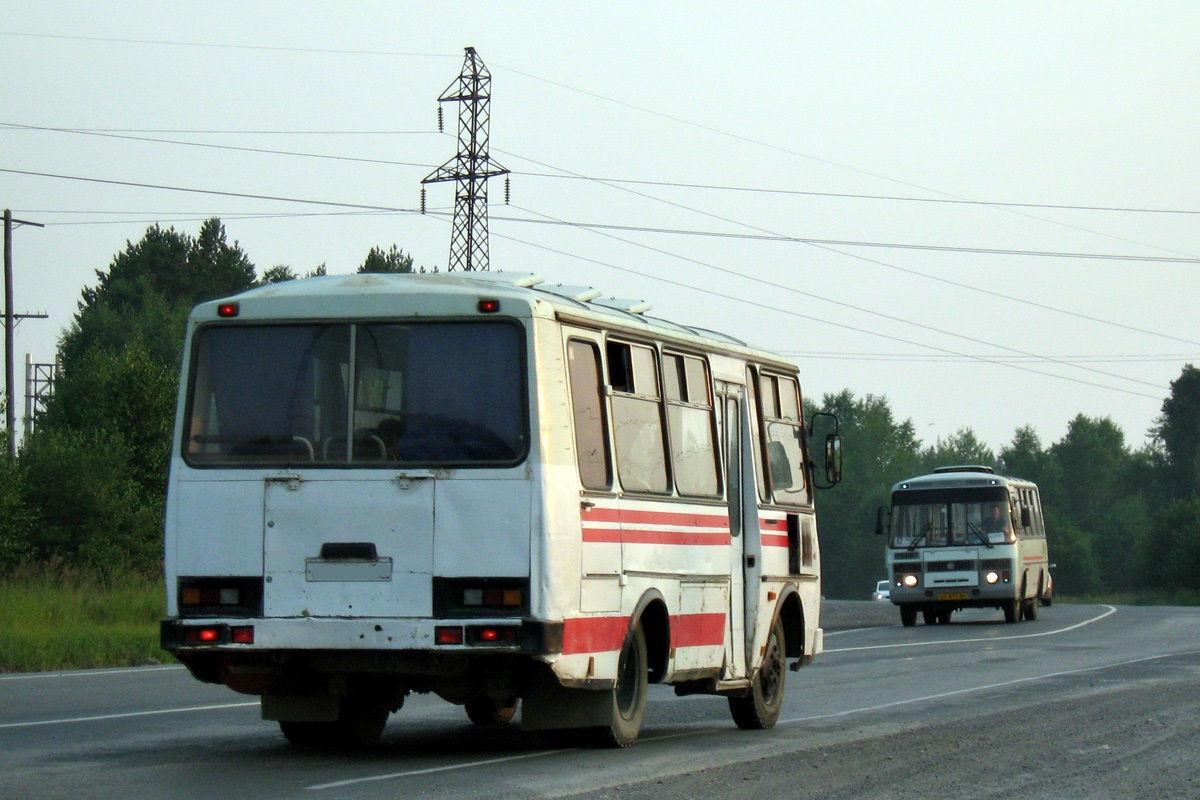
909 580
992 577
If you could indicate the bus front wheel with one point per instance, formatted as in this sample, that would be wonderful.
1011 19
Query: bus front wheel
908 616
759 708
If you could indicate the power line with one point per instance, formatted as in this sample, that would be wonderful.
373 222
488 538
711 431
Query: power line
887 265
243 195
212 146
798 315
266 48
127 133
853 243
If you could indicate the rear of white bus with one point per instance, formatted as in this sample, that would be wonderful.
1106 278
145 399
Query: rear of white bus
351 501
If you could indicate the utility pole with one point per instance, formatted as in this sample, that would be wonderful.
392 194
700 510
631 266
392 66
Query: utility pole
471 167
10 319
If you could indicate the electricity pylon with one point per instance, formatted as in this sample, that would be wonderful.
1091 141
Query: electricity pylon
471 168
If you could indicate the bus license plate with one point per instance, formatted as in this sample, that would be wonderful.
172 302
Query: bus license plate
952 596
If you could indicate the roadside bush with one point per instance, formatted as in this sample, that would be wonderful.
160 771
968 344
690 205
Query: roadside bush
90 511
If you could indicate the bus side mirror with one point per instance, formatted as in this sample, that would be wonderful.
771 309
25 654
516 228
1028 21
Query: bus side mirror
833 459
833 449
879 521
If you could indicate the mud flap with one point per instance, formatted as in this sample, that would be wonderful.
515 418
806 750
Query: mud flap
548 705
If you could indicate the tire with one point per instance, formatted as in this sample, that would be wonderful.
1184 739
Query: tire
1012 611
930 616
759 708
908 616
361 722
484 711
943 617
629 695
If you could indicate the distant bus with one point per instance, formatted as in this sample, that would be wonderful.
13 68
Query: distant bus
489 488
964 537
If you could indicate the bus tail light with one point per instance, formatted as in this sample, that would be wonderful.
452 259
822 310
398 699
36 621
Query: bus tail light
492 634
448 634
242 634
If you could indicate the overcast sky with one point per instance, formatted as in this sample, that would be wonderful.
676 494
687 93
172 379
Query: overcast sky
1032 169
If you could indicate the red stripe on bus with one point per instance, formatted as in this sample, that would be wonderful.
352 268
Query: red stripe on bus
763 524
615 535
698 630
607 634
593 634
635 517
774 540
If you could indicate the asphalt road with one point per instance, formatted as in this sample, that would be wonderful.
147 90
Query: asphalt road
1088 701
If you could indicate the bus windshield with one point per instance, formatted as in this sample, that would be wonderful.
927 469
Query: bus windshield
436 393
950 518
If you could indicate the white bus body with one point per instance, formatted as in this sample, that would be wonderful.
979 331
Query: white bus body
488 488
964 537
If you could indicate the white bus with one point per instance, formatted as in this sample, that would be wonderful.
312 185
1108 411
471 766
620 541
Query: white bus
964 537
492 489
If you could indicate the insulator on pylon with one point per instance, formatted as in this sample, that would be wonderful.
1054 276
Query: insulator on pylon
422 199
441 126
506 190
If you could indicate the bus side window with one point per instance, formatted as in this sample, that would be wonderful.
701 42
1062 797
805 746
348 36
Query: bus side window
784 437
637 418
690 419
587 408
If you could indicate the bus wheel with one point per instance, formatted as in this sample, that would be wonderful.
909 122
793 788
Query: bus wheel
930 616
759 708
1031 609
629 695
943 616
1012 611
485 711
908 616
361 722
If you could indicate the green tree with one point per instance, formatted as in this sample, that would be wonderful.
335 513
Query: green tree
95 468
961 447
150 288
393 260
878 452
1178 430
1174 547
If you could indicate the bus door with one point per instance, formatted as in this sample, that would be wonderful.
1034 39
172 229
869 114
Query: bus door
744 569
348 547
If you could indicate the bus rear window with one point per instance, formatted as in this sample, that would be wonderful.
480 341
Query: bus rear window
365 394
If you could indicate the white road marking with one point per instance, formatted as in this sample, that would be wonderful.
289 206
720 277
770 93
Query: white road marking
86 673
1111 610
430 770
986 687
709 731
126 715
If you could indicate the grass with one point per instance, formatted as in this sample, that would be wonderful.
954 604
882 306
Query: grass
1164 597
64 618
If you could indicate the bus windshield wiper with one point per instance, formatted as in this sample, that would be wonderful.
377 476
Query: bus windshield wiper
920 536
977 532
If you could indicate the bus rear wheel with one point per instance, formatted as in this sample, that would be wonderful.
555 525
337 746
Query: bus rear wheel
486 711
759 708
629 695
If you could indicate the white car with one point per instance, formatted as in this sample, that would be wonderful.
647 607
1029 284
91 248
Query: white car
883 591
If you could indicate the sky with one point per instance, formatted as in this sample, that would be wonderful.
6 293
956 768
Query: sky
985 212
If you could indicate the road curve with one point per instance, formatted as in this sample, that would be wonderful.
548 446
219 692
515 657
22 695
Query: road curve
1086 697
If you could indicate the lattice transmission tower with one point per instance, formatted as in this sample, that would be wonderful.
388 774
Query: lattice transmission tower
471 168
